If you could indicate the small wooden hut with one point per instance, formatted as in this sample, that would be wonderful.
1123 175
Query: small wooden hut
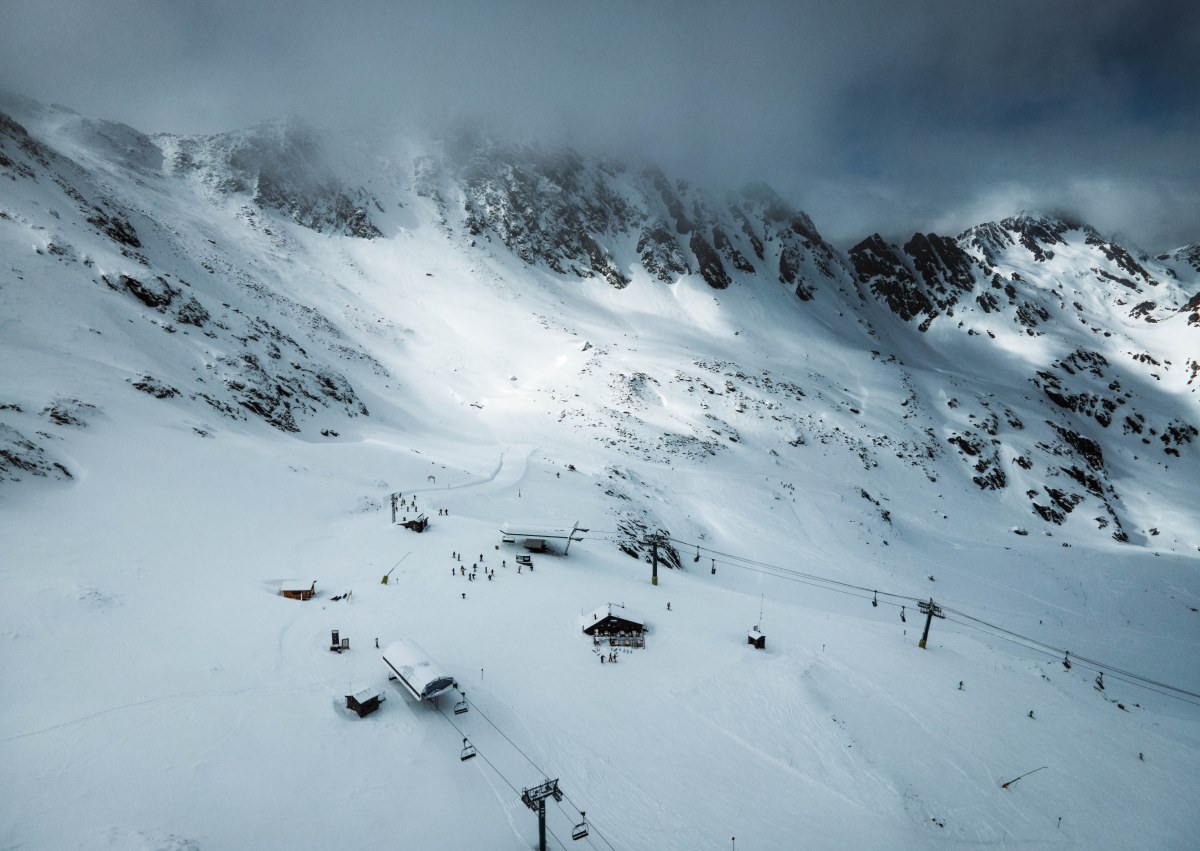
364 701
757 639
298 589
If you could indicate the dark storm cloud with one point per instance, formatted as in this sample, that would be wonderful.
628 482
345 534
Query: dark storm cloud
871 115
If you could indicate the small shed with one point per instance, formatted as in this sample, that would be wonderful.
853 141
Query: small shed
613 620
757 639
364 701
298 589
420 524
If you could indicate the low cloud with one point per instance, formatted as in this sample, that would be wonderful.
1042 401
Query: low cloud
872 116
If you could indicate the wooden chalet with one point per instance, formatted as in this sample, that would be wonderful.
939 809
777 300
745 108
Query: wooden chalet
298 589
364 701
616 623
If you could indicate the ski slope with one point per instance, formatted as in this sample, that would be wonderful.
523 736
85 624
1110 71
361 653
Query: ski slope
162 695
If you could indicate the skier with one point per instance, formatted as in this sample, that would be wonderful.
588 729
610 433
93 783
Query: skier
464 595
668 607
377 642
1031 714
960 688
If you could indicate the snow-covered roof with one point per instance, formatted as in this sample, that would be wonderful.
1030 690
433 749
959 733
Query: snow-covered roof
297 585
535 529
420 674
754 633
362 695
615 611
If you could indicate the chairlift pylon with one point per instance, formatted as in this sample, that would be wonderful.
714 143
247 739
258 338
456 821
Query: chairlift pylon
468 751
580 830
462 706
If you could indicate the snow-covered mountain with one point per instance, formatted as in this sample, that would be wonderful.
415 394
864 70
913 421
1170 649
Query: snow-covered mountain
223 353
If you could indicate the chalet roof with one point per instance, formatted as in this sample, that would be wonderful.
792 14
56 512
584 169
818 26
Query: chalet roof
610 609
362 695
298 585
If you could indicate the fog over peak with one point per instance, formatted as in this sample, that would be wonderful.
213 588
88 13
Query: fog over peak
871 116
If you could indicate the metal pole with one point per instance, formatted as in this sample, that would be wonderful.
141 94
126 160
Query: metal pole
654 561
932 610
542 825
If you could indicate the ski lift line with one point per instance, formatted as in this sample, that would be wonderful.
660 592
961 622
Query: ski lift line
590 828
480 753
825 582
743 559
481 714
499 773
1149 685
1145 681
591 825
511 742
1058 651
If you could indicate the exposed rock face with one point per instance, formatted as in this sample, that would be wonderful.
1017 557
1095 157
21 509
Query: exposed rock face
661 255
571 214
282 166
879 267
218 324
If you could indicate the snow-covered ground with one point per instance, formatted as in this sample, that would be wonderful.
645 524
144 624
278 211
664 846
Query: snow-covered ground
160 693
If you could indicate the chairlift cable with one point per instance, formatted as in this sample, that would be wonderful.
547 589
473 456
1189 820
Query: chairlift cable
830 584
482 715
826 582
483 756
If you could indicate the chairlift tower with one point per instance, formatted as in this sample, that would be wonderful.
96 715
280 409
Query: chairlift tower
571 537
654 541
535 799
931 610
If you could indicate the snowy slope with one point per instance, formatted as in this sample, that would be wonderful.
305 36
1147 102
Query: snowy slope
223 354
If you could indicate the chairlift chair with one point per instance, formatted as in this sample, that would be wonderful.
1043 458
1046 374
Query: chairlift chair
875 599
697 558
580 830
714 567
902 618
461 706
468 751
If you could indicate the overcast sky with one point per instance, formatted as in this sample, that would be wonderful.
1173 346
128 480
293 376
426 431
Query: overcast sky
871 116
